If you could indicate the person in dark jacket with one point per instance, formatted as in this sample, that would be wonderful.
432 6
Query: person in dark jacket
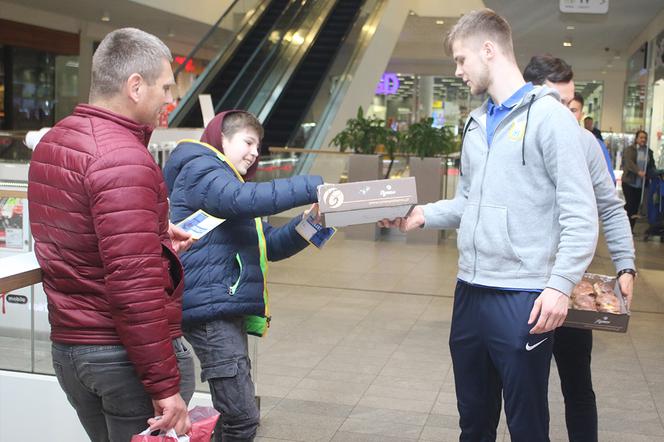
99 216
572 347
225 295
638 166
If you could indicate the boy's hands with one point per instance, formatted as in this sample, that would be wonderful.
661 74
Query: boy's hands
314 209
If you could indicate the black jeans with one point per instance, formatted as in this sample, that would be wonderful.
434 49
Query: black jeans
632 201
101 384
572 348
221 346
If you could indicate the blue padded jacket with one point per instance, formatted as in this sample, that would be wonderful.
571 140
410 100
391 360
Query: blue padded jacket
225 271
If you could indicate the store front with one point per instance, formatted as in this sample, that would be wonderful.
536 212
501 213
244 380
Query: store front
636 85
657 115
38 82
402 99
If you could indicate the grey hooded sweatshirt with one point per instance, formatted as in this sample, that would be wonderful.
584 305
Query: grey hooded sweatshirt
525 206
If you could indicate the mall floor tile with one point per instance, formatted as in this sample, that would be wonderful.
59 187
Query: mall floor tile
358 349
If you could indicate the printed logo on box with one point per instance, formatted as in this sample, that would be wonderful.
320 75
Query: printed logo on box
388 191
333 197
602 321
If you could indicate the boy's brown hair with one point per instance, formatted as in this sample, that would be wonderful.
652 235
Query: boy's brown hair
485 24
235 121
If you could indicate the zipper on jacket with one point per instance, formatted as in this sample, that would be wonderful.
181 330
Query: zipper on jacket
479 212
233 288
486 162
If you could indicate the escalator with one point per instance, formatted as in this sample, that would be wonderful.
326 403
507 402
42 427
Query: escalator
216 81
285 117
277 68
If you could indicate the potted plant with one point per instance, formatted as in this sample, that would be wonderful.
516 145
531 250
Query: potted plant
426 141
427 144
363 135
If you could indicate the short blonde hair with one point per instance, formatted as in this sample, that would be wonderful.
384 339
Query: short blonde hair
484 23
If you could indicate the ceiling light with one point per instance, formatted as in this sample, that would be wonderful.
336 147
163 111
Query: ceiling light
106 17
609 65
440 22
567 43
297 39
616 57
411 13
171 33
570 28
603 72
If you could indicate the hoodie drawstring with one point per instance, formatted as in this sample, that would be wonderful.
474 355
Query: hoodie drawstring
463 136
525 128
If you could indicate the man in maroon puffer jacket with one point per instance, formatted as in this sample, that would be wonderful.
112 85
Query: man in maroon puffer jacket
99 215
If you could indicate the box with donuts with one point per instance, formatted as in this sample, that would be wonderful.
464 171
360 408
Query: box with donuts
596 303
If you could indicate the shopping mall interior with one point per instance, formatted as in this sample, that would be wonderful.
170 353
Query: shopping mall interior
357 348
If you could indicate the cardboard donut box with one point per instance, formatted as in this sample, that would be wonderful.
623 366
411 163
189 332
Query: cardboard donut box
595 320
365 202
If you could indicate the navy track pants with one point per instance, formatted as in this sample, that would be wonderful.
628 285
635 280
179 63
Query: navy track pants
493 353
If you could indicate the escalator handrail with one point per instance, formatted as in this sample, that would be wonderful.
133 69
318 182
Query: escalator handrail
265 108
215 63
316 139
265 65
207 35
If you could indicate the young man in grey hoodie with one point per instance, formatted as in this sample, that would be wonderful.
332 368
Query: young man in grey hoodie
572 346
527 223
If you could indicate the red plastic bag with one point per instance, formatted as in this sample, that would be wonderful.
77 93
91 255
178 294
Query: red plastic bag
145 436
203 420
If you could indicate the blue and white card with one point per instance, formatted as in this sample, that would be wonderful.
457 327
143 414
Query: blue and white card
315 233
199 224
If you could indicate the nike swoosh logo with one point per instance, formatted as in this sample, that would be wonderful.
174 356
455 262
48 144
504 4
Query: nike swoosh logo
530 347
472 128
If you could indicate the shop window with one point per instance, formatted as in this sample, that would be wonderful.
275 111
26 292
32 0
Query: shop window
450 104
635 90
33 88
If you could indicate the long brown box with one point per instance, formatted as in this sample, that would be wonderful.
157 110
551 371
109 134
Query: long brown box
365 202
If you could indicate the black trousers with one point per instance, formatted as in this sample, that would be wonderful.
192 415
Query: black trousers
571 349
632 201
492 352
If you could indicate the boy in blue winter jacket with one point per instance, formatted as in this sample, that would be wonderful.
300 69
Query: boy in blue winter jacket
225 295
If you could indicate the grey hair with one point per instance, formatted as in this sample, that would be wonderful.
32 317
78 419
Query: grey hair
122 53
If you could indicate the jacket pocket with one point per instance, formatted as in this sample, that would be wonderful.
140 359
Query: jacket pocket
492 241
173 271
236 282
465 237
